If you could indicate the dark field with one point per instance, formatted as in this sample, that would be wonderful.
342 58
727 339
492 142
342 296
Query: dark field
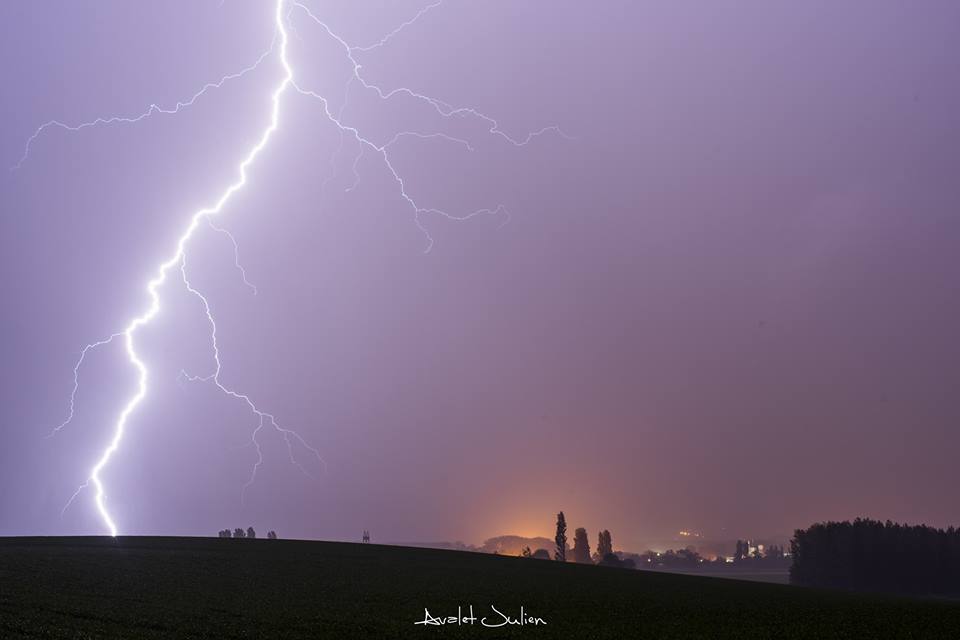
197 587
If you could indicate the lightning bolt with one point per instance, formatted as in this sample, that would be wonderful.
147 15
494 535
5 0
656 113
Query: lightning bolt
403 26
444 109
178 258
236 254
76 380
264 417
153 109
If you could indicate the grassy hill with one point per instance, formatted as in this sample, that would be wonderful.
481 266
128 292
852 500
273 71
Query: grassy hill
200 587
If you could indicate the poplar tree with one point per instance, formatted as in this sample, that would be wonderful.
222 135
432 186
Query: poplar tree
561 539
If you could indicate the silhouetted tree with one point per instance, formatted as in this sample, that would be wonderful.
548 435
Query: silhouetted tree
239 533
561 539
526 553
604 544
251 533
541 554
613 560
271 535
581 547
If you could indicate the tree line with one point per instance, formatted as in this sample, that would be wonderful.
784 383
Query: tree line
603 556
239 532
877 556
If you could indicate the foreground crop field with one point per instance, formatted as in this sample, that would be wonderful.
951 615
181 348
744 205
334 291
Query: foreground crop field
199 587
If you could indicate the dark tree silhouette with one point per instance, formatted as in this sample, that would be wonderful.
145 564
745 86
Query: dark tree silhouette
877 556
251 533
239 533
541 554
581 547
670 559
613 560
271 535
526 553
604 544
561 539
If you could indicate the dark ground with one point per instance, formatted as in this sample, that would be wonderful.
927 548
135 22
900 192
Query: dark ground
202 587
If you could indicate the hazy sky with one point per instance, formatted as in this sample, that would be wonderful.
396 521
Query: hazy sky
729 303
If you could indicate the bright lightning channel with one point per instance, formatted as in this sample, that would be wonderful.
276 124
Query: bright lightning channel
179 258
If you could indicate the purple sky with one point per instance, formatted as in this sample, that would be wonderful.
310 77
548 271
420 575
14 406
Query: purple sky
729 304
